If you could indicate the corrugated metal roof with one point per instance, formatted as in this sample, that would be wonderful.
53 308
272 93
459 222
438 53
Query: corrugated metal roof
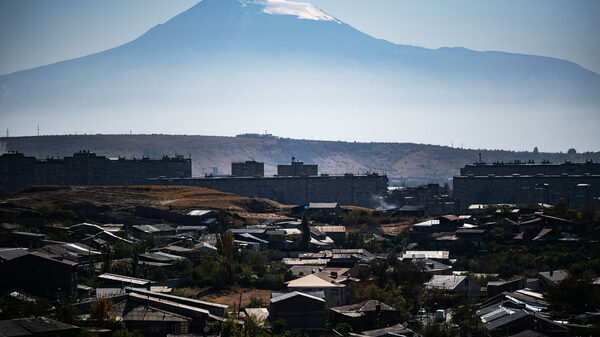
445 282
124 279
199 212
8 254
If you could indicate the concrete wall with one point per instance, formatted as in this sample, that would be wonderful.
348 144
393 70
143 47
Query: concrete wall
358 190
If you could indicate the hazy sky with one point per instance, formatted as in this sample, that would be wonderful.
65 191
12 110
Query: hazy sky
39 32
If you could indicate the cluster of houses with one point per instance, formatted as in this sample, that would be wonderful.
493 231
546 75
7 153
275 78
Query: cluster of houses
513 225
315 302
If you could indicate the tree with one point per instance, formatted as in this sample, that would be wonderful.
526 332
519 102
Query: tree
223 221
100 312
134 261
228 242
256 302
305 240
279 326
106 258
229 328
572 151
344 329
535 150
127 333
67 313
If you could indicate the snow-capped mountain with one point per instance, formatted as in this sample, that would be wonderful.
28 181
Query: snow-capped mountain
233 66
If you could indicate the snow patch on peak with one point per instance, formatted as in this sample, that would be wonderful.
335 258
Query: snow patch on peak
302 10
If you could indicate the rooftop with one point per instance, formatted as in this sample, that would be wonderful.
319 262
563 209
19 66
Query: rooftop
125 279
427 254
294 294
445 282
312 281
33 326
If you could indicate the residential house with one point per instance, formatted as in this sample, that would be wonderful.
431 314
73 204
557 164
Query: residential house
335 292
350 257
156 314
300 311
365 315
510 318
145 231
37 274
497 287
551 278
455 284
336 233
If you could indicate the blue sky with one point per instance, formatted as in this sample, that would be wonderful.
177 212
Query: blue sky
39 32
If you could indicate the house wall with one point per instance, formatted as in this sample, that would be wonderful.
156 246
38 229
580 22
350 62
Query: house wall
334 296
39 276
300 313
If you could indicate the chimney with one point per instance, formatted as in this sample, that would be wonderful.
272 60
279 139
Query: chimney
551 272
378 308
334 274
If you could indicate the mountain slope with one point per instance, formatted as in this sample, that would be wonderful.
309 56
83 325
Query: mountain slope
413 163
229 66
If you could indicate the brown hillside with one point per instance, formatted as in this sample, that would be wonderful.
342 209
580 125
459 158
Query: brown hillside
120 202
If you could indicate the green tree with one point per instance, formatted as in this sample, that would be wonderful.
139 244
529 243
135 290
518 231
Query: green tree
229 328
344 328
67 312
279 326
127 333
256 302
106 258
305 228
100 312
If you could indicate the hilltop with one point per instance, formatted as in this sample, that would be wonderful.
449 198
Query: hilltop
413 163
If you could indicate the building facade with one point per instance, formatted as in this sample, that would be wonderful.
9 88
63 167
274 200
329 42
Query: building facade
297 169
18 171
528 184
248 169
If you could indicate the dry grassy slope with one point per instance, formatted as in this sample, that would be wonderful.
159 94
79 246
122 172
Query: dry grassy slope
419 162
179 199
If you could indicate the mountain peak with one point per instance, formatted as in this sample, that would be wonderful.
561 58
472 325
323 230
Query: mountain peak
301 10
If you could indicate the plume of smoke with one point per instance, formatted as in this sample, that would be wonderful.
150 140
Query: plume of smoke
381 204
